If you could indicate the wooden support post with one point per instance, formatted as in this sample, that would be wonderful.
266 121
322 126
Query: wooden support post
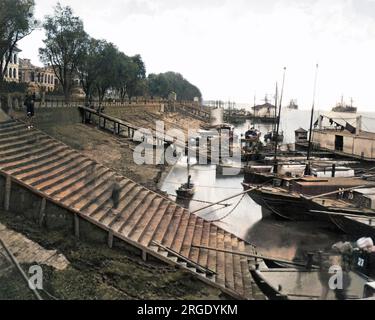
76 226
42 212
110 239
114 127
144 255
8 188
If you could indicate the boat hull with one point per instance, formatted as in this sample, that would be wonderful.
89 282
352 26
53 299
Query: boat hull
284 206
353 227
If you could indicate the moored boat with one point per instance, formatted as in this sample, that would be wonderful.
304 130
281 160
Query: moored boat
289 197
312 281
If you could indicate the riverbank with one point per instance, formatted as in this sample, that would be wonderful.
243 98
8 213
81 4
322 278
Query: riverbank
96 272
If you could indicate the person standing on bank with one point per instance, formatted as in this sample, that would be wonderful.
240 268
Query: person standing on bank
30 105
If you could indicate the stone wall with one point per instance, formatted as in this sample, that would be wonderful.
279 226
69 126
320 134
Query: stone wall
120 112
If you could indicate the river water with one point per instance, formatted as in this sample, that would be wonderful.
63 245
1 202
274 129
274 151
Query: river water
244 218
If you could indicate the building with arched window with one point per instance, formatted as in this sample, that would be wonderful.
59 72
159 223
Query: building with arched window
39 79
11 73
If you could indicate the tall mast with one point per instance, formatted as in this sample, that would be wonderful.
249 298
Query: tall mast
188 171
276 98
278 121
312 114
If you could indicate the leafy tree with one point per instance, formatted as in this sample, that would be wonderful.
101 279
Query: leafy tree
64 46
89 65
16 22
123 75
136 78
163 84
108 66
131 76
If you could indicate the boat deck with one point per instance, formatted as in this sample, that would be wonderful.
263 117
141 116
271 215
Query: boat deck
157 226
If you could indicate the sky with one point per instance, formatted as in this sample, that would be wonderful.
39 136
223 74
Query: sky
236 49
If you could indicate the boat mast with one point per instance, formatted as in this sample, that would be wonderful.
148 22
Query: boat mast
278 122
188 171
274 123
312 117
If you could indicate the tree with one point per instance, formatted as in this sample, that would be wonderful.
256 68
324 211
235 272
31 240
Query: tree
16 22
161 85
108 66
89 65
137 75
64 46
131 76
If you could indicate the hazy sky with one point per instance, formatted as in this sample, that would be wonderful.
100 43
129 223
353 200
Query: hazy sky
234 49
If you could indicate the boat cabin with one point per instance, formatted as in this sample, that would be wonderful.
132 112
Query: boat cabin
364 198
312 186
300 135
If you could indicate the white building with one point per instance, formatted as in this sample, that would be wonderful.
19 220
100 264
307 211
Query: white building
12 72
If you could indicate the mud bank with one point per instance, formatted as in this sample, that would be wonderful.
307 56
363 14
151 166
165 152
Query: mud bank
96 272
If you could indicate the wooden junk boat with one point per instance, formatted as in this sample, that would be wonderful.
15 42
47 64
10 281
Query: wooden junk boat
352 211
289 197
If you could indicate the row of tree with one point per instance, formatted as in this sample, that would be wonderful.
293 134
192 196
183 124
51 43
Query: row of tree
162 84
99 65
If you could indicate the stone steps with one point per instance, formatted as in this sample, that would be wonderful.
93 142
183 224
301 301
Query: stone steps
143 217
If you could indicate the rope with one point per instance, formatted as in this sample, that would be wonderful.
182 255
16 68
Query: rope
230 212
212 187
201 201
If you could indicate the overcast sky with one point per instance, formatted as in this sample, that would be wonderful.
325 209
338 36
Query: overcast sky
235 49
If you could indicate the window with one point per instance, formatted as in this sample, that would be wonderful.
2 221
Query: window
10 72
15 73
15 59
32 77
